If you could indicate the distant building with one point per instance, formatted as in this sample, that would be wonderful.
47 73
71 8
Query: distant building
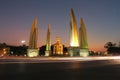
58 47
4 51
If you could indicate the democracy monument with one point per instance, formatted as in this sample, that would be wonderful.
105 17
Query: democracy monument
78 44
77 48
32 47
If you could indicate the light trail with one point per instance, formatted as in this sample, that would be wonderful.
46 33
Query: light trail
54 59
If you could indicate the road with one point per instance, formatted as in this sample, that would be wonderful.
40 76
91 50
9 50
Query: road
49 68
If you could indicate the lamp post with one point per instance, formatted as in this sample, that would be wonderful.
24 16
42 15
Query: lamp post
23 42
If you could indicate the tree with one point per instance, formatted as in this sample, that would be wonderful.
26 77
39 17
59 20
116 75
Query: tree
112 48
109 44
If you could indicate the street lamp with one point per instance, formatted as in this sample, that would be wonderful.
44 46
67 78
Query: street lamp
23 42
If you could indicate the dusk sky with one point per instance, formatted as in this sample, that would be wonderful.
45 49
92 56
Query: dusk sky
101 17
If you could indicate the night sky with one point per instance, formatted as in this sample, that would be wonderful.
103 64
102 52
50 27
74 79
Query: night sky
101 17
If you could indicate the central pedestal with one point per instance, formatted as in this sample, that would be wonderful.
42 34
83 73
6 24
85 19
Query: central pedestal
74 51
32 52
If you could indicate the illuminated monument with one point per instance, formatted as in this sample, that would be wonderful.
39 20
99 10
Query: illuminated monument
48 47
83 40
32 48
75 49
74 44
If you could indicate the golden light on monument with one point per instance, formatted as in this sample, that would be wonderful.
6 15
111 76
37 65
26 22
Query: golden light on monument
75 49
48 43
83 40
74 44
32 48
73 31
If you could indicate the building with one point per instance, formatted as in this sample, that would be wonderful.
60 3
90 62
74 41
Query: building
4 51
58 47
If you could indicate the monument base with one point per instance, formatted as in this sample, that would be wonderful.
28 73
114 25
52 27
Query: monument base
73 51
84 52
32 52
47 53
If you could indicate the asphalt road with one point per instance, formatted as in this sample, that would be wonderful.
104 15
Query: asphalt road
61 70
